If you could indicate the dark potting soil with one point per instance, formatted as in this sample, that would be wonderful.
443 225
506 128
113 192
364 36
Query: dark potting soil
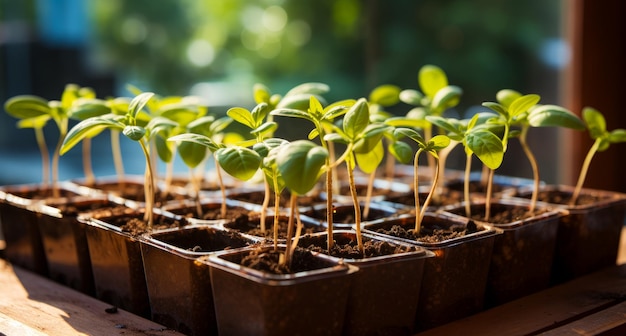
559 197
268 261
251 226
212 212
372 248
443 199
257 197
431 234
136 192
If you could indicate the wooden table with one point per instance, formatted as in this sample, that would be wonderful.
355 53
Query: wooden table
591 305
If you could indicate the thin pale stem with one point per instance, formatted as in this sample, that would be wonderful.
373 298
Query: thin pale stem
117 160
368 195
357 206
266 202
329 207
289 243
276 210
222 188
45 156
466 185
535 169
583 171
433 187
149 190
488 198
195 186
90 179
55 166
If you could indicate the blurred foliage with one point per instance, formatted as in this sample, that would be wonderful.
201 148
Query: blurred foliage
353 45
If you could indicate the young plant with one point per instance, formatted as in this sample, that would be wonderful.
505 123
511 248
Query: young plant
359 136
84 108
596 124
435 98
322 119
535 116
261 129
478 138
432 147
28 107
300 164
128 125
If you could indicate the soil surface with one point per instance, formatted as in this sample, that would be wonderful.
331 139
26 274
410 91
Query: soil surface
267 260
251 226
430 234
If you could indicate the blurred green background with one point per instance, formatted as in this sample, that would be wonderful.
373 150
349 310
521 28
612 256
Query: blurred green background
219 49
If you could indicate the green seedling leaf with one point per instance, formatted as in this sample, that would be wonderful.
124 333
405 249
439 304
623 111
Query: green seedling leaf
36 122
369 161
431 79
501 110
264 147
553 115
196 138
242 116
84 108
448 96
298 101
385 95
192 153
27 106
138 103
134 133
486 146
264 129
163 149
284 112
506 96
523 104
259 112
261 93
240 162
409 133
181 113
86 127
617 136
596 124
401 151
356 119
300 164
411 97
308 89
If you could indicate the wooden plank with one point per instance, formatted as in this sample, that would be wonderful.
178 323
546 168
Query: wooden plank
547 309
33 305
611 320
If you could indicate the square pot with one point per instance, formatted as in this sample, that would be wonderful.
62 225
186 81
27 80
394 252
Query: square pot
588 234
455 279
250 227
20 209
521 263
65 241
343 213
179 289
118 272
252 302
385 291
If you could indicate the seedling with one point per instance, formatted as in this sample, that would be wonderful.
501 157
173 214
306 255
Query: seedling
596 124
435 98
27 107
359 136
128 125
323 119
535 116
432 147
300 164
478 139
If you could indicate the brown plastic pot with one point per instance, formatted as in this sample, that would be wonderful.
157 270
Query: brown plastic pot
179 289
118 272
343 214
588 235
455 279
251 302
522 255
385 291
20 208
65 241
